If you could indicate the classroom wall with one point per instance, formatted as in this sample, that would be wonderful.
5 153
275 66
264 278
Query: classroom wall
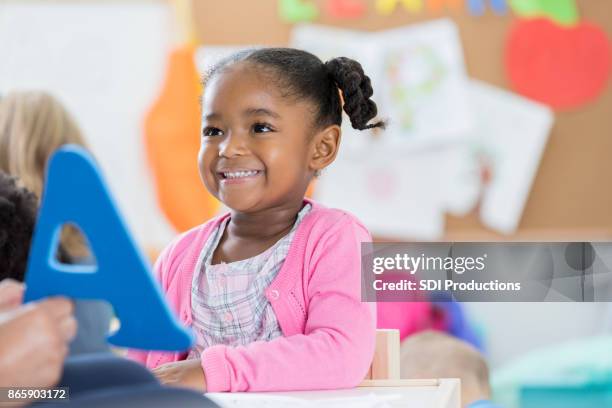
572 189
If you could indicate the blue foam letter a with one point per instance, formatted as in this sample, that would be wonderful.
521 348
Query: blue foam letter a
76 193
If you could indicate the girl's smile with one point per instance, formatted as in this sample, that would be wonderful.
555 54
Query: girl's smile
237 176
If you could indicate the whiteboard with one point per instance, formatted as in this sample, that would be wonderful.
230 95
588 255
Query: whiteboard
105 61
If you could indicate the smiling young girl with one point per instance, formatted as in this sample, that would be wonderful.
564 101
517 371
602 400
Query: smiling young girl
271 289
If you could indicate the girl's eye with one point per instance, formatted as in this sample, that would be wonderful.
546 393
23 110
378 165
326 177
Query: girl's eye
262 128
212 131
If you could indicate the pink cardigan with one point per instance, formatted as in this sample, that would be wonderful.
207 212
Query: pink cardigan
328 333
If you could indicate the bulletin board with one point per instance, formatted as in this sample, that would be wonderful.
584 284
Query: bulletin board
572 193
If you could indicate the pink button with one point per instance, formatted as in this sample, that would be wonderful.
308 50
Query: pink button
228 317
274 294
222 280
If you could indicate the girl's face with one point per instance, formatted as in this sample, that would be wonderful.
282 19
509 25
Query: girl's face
255 152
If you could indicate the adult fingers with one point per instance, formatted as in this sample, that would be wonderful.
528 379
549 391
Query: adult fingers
67 328
11 294
57 307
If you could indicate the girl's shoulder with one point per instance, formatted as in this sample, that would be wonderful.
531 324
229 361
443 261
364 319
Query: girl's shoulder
325 221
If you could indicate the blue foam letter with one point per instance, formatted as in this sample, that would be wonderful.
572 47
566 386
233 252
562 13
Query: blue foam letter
75 192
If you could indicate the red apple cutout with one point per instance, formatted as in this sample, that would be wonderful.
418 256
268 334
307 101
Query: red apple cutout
563 67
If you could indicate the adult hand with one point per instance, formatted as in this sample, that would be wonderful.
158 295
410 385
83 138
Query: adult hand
11 294
34 342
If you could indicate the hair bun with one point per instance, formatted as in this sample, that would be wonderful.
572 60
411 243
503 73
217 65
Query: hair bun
356 89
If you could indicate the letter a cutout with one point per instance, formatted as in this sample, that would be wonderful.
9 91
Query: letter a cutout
75 192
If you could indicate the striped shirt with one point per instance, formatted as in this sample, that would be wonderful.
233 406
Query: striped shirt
228 301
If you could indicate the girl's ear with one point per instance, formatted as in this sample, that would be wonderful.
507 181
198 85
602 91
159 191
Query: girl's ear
325 147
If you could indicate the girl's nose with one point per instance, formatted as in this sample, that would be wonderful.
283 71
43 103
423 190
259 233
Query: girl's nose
233 145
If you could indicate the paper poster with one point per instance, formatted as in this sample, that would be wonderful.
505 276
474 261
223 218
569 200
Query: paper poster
105 62
462 185
404 194
425 90
510 133
396 194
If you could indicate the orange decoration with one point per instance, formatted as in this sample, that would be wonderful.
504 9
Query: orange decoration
172 140
311 188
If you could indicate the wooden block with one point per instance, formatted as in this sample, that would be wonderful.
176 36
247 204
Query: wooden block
369 373
386 362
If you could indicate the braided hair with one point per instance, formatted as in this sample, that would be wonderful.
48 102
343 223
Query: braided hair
302 75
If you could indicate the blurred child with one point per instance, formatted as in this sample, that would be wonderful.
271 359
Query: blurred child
33 125
433 354
272 289
17 217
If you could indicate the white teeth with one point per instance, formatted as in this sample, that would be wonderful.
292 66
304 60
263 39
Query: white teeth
239 174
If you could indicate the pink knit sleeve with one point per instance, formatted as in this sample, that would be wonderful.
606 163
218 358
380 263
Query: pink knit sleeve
337 346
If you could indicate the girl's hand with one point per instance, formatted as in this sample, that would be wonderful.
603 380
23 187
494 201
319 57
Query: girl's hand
187 374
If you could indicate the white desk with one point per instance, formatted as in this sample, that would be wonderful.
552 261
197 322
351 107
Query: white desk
443 393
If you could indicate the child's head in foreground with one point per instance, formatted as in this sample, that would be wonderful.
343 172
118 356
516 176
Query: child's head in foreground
271 121
17 219
433 354
33 125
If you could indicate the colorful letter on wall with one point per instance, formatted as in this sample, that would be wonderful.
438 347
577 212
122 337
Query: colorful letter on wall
295 11
562 11
477 7
345 8
437 6
75 193
386 7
